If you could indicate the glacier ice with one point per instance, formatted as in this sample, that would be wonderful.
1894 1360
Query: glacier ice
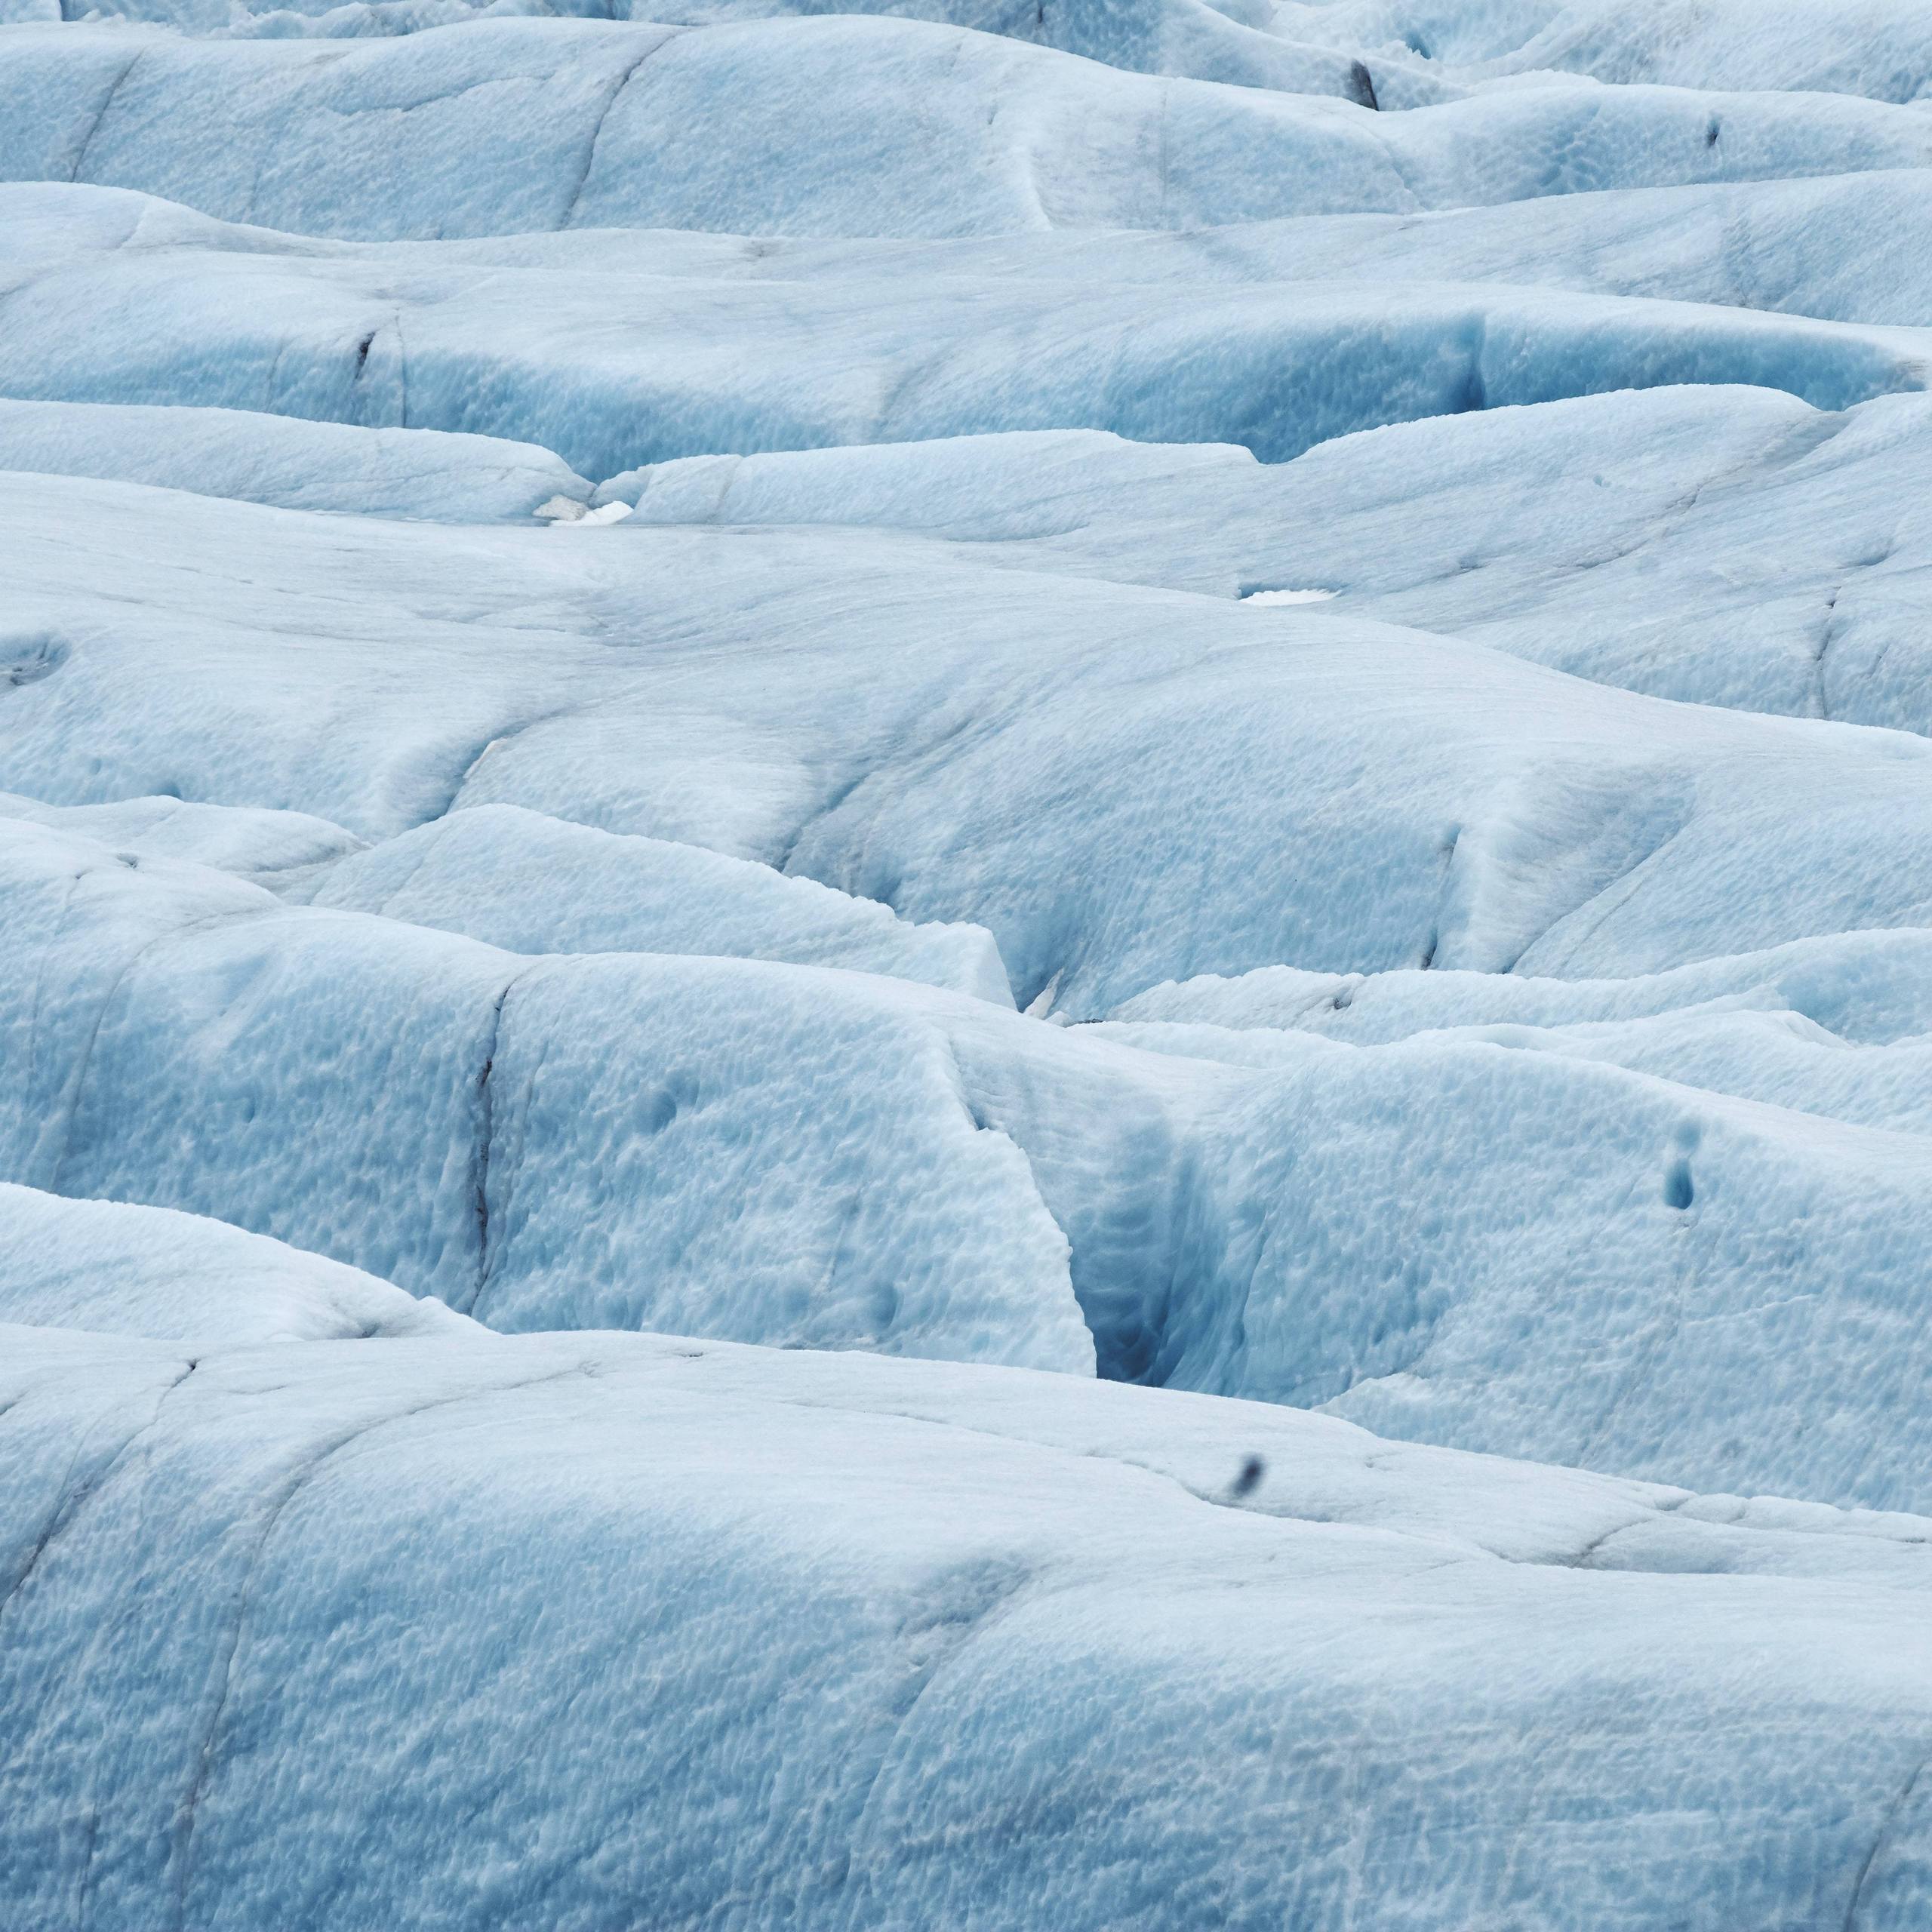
1108 829
266 459
822 820
618 369
155 1006
1211 40
1866 987
1724 545
1879 48
531 884
639 1140
256 843
576 1627
112 1268
841 125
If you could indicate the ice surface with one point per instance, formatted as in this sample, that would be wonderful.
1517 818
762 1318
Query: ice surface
840 125
1881 48
1751 1045
277 459
1865 987
575 1629
783 1154
1845 248
235 838
193 1043
110 1267
1408 798
982 701
615 369
1098 774
1218 41
537 885
1722 545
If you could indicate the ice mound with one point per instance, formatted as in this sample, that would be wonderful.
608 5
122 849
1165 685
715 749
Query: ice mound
111 1267
617 369
235 838
780 1153
1880 48
841 125
1868 987
1123 786
460 1120
535 884
1230 40
586 1616
278 460
1844 247
1723 545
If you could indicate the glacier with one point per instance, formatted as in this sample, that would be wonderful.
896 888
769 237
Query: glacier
965 964
856 1637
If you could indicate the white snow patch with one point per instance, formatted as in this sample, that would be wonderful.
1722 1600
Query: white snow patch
560 512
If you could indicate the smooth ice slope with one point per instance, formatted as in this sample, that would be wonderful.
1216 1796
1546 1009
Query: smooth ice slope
614 370
234 838
839 125
1724 545
569 1630
1123 786
109 1267
537 885
298 465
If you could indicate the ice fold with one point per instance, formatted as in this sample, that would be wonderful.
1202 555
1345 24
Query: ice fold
531 884
841 125
591 1618
791 1154
111 1267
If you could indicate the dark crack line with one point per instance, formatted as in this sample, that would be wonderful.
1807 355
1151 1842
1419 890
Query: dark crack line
70 1507
1826 639
84 1060
1630 879
1010 1586
819 814
569 216
106 101
972 728
187 1815
511 732
479 1165
1887 1826
483 1150
1583 1558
